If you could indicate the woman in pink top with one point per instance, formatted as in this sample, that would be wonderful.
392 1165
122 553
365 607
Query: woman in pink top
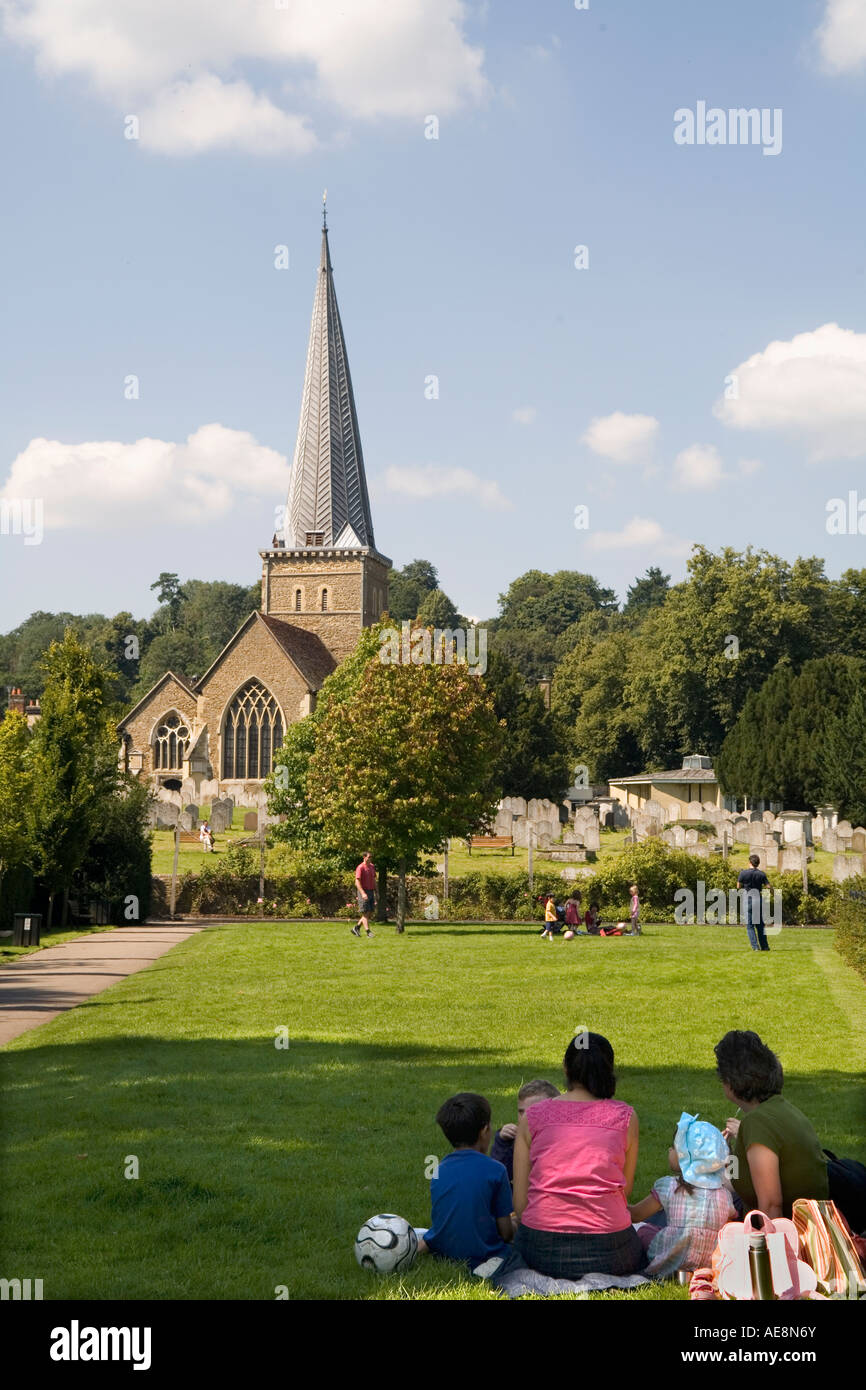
574 1164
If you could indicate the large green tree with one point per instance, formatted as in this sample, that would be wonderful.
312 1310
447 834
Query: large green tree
406 761
74 760
534 760
16 794
408 588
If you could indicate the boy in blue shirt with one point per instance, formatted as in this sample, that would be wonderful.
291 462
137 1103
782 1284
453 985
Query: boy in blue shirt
470 1194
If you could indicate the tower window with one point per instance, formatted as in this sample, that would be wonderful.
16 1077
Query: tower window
315 537
297 600
324 600
252 733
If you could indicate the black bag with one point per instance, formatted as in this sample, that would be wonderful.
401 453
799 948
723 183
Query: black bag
847 1182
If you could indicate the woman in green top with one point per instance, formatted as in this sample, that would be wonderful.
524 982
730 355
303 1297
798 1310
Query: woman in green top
779 1155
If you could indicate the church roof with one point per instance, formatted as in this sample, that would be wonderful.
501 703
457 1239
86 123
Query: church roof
168 676
305 649
328 488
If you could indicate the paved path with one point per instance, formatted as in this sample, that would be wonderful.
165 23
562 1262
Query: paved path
40 986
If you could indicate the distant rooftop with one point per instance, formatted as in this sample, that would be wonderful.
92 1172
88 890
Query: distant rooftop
697 767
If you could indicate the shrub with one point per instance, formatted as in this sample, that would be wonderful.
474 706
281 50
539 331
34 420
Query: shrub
848 915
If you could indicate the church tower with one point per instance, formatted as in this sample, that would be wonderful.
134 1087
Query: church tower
324 572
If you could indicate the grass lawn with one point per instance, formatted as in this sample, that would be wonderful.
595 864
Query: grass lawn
257 1166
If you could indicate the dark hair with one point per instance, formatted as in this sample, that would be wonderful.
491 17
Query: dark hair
588 1063
754 860
462 1118
748 1066
681 1182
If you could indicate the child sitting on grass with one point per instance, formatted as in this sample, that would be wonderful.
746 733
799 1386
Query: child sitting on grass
696 1200
503 1140
470 1193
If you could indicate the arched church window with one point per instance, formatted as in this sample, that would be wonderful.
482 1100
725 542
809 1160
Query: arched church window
170 743
297 600
252 733
324 600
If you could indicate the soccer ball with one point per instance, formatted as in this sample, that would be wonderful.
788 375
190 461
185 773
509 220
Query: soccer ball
568 936
386 1244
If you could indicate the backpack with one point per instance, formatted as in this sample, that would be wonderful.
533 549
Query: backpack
730 1277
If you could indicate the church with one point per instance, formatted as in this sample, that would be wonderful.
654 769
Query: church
323 580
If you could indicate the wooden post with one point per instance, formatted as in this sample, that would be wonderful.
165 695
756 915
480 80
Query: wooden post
804 865
725 843
445 873
174 869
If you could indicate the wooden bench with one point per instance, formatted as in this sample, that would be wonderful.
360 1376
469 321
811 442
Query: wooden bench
492 842
188 836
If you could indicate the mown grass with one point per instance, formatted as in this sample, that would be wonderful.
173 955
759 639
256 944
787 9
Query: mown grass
257 1165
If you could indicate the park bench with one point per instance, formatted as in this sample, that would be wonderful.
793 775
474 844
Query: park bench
492 842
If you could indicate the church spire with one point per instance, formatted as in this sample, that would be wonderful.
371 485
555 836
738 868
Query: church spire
328 503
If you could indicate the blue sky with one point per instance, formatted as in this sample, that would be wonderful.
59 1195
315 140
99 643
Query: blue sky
558 387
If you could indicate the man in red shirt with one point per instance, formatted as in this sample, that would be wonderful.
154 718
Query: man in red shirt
365 882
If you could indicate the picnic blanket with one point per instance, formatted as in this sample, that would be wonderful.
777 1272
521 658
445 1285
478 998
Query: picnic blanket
514 1277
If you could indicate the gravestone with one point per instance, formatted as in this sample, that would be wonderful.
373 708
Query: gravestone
756 817
192 811
844 827
858 840
768 818
702 851
846 866
691 838
828 840
568 874
757 833
668 838
251 821
694 811
709 810
741 830
843 842
592 837
770 856
796 827
186 822
220 820
679 834
166 816
790 861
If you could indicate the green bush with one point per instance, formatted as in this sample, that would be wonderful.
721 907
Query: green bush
848 915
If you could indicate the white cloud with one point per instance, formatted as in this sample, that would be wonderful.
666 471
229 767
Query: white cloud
524 415
96 485
842 36
698 469
186 68
813 387
641 533
623 438
749 466
429 482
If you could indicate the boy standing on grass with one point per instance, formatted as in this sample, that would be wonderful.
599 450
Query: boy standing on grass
470 1193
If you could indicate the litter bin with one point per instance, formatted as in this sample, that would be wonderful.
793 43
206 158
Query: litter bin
26 928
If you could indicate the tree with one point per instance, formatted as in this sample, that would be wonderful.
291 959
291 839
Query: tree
841 756
16 791
437 610
588 698
537 609
169 593
74 761
116 866
646 593
534 761
408 587
790 741
408 760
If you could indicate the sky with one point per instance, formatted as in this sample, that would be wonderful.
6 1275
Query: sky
592 317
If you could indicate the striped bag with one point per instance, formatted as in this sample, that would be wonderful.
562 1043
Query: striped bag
827 1245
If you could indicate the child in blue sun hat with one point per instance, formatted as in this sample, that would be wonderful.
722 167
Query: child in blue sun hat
696 1199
